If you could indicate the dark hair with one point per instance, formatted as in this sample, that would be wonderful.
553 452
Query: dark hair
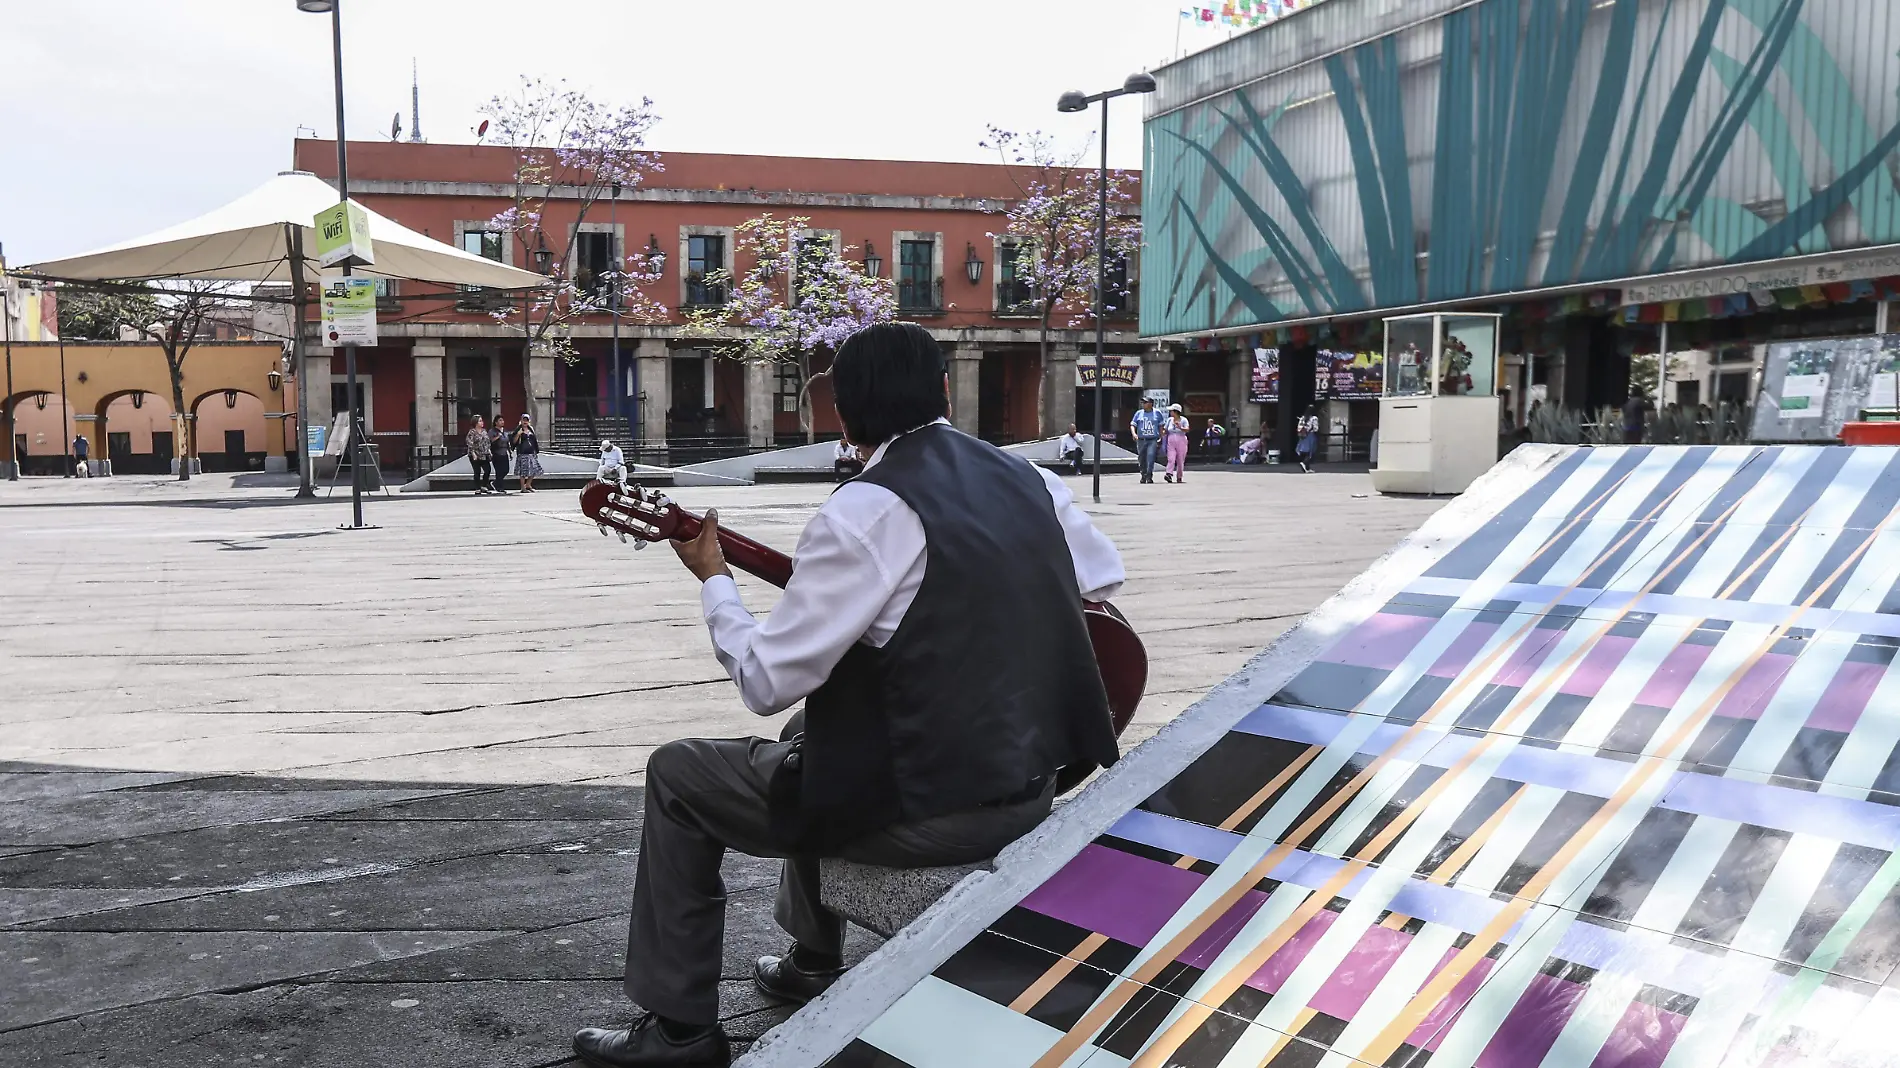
887 379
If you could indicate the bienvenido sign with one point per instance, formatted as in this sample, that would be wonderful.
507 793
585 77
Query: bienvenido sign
1119 371
1782 274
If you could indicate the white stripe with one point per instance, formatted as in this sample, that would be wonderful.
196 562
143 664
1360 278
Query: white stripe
941 1025
1730 548
1607 525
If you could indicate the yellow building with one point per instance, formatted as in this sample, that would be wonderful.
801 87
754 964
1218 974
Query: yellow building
118 396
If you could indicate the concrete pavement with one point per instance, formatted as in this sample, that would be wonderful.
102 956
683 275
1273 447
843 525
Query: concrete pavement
271 792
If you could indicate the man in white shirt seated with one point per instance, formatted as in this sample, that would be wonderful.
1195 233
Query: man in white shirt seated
1070 449
613 466
906 754
845 462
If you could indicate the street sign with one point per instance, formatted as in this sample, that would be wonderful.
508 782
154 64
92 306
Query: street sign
313 440
343 235
349 311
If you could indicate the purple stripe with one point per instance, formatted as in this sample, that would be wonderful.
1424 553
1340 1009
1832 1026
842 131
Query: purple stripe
1527 658
1668 604
1750 695
1673 675
1382 641
1641 1039
1597 666
1533 1024
1846 697
1463 650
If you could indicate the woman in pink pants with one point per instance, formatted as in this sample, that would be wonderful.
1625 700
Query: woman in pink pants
1175 436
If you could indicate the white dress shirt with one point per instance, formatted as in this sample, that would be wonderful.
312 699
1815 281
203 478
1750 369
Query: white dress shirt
860 563
1069 443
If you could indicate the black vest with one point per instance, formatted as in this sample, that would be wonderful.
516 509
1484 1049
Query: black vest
989 684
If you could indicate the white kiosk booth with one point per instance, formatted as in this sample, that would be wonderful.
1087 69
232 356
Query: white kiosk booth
1438 417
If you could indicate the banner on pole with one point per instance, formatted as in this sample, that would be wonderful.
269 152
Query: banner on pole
349 311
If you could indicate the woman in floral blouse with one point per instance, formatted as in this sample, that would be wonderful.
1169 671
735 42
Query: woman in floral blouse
478 459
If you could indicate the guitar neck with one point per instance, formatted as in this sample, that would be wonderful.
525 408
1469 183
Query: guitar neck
742 552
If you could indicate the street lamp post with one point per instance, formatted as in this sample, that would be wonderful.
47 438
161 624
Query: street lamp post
614 391
358 447
13 439
1072 101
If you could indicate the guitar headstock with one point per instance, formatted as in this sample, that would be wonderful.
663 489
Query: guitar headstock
645 514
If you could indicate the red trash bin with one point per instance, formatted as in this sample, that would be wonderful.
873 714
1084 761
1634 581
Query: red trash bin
1870 433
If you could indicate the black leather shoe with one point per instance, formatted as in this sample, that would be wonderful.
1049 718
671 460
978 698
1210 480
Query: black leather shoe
778 977
644 1045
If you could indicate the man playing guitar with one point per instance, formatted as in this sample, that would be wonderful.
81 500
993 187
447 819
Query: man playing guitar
943 691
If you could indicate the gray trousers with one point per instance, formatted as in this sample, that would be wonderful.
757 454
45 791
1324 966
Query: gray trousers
705 796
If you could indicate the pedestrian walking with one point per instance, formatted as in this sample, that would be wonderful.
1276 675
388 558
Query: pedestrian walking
1308 444
1177 443
1633 410
476 442
82 450
498 452
1211 439
527 454
1145 427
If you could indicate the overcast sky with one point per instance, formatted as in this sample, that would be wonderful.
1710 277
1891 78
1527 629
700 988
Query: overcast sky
126 116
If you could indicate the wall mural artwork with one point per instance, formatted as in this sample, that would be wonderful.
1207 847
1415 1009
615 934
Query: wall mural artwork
1607 781
1519 144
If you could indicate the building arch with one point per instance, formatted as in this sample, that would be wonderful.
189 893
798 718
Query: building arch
230 430
136 429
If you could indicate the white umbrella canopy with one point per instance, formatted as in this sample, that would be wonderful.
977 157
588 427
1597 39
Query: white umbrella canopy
245 240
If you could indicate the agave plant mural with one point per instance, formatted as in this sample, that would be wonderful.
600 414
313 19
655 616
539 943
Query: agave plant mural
1567 141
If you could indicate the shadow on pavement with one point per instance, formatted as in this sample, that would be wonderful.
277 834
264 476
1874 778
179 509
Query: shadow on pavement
161 919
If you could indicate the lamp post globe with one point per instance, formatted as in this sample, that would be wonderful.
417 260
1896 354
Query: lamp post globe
1073 100
1139 83
316 7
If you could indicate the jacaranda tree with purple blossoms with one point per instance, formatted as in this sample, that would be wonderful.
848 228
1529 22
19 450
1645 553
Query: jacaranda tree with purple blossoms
569 144
795 295
1053 224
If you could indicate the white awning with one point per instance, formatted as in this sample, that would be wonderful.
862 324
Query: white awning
245 240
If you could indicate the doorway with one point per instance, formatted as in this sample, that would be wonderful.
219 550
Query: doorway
580 387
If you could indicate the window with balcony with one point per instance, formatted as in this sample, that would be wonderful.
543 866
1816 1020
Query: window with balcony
917 287
809 260
489 245
788 384
705 258
593 263
1013 296
1118 294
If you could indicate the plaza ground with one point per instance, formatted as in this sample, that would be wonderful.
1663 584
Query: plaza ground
275 793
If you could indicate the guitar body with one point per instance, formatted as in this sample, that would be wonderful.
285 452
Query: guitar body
649 516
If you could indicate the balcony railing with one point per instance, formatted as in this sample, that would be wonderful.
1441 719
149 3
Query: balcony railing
477 301
920 297
1014 297
701 294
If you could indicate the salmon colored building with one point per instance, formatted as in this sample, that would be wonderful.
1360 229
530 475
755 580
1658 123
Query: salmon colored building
926 226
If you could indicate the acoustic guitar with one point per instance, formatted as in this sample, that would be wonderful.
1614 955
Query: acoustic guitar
647 515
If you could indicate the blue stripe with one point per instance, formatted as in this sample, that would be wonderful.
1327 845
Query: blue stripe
1838 819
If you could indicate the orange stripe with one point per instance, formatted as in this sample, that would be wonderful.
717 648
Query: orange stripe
1300 1020
1406 1021
1194 1015
1058 972
1124 989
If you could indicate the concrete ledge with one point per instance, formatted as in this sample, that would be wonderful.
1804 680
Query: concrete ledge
884 900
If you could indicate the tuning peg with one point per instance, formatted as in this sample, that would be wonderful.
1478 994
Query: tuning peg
602 527
623 537
641 544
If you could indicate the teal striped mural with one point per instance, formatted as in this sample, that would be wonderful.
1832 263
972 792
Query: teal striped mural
1511 145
